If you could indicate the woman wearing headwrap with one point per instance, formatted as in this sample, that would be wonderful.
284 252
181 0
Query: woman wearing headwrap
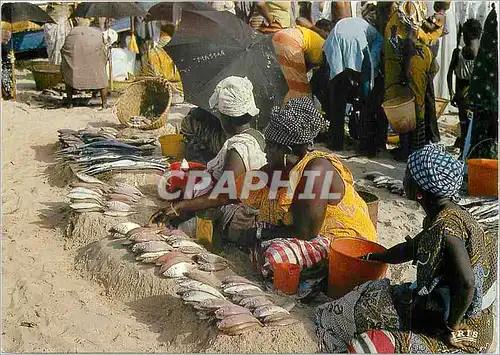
408 61
243 151
305 224
449 306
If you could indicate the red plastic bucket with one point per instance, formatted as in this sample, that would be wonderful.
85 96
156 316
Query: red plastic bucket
346 270
286 277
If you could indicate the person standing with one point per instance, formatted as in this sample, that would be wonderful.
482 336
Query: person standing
7 66
55 33
83 64
353 53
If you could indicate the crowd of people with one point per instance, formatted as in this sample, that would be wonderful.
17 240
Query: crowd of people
449 306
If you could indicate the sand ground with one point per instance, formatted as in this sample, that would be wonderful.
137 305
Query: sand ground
50 305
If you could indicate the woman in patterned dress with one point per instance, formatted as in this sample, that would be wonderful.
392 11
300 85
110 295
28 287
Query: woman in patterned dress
297 226
449 307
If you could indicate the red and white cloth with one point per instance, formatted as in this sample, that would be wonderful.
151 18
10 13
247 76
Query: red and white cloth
295 251
373 342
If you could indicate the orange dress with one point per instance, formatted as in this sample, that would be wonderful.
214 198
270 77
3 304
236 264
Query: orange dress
349 218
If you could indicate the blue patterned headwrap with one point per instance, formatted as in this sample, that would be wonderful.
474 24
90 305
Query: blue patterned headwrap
436 171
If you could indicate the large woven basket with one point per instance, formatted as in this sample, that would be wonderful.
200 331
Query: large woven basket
149 97
46 75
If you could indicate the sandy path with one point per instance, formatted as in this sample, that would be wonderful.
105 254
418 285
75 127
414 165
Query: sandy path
39 282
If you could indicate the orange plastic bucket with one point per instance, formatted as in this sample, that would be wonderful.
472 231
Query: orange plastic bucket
346 271
286 277
483 177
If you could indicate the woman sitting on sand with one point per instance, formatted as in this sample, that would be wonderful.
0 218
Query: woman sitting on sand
242 151
305 225
449 307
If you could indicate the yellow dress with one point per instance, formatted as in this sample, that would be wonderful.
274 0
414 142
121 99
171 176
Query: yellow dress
312 46
158 61
349 218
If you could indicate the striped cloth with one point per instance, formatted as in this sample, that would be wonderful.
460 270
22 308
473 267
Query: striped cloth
373 342
294 251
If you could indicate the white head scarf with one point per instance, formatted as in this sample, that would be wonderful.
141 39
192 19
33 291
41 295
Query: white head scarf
233 97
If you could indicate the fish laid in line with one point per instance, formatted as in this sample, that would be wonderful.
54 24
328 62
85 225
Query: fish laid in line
198 286
255 302
171 255
212 267
215 304
238 319
151 246
238 280
132 189
205 277
247 294
178 270
122 198
102 189
231 310
123 228
207 257
89 179
173 261
238 288
197 296
288 320
265 311
118 206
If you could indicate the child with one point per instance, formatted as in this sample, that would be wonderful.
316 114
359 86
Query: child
462 64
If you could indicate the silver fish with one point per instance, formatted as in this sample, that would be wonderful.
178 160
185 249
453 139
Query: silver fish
232 321
212 267
255 302
231 310
242 328
197 296
237 289
151 247
265 311
288 320
89 179
207 257
118 206
215 304
202 276
85 191
239 280
186 243
178 270
123 228
128 187
198 286
154 255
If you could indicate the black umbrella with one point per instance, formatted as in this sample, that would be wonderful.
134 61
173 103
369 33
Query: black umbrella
212 45
24 11
113 10
164 10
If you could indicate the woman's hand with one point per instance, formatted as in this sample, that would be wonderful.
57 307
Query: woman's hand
164 214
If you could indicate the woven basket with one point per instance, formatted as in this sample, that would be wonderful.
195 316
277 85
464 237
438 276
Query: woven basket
46 75
149 97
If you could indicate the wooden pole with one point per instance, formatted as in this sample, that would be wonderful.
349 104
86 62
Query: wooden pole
110 60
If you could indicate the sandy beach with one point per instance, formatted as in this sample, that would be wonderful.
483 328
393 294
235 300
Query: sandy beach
55 299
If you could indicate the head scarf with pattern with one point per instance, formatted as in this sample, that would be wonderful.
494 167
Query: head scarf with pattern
299 122
436 171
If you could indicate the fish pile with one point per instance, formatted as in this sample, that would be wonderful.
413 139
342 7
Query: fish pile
97 150
94 195
236 304
485 210
380 180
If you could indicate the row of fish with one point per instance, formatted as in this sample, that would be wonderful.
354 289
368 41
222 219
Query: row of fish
97 150
93 195
237 305
380 180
